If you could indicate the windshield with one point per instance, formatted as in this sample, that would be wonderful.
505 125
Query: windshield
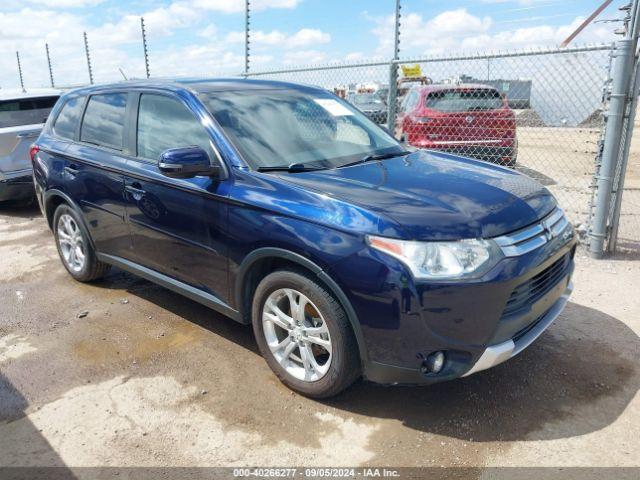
464 100
363 99
272 128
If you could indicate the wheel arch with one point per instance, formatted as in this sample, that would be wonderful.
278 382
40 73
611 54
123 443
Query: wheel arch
53 199
260 262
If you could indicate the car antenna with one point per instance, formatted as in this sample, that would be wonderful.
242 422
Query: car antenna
122 73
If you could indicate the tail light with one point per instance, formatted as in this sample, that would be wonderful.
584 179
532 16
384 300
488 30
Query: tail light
33 150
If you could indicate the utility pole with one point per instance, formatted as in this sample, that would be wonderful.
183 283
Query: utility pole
393 74
247 35
144 46
586 23
46 47
86 51
20 71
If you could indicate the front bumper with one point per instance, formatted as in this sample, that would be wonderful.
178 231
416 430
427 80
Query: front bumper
476 323
496 354
491 356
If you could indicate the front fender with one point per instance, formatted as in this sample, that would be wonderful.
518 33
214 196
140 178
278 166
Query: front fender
292 257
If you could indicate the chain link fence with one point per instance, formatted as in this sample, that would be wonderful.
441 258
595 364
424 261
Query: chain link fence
539 112
624 211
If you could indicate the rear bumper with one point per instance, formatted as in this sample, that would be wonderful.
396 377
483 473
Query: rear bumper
500 151
489 153
16 186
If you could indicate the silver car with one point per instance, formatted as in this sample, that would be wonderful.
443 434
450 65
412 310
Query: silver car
22 116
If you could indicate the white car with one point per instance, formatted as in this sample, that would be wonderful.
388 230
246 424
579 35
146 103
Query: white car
22 116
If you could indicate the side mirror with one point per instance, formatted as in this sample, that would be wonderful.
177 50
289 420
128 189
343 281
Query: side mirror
187 162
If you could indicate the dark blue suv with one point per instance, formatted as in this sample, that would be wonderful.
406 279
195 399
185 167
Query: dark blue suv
282 206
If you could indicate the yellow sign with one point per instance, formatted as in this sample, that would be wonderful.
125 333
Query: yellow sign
411 71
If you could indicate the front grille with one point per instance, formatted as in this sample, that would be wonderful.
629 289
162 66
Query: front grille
535 236
538 286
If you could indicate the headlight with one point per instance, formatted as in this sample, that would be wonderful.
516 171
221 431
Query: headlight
441 260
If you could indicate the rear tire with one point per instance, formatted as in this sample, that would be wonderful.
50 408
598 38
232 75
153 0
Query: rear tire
304 335
75 247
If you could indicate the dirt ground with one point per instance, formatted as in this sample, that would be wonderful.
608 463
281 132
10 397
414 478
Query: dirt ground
125 373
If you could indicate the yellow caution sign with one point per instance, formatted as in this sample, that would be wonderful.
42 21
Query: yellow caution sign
411 71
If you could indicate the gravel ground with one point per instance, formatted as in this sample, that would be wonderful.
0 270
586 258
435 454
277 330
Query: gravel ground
125 373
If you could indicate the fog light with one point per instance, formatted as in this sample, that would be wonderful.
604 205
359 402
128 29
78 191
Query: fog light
433 363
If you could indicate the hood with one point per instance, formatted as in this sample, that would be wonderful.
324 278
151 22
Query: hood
436 196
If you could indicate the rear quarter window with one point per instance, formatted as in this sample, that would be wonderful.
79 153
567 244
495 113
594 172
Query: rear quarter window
67 121
26 111
103 122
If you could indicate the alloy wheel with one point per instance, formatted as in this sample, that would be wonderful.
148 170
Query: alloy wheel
297 334
71 243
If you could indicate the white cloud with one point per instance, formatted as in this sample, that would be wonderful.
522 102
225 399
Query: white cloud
302 38
305 57
161 21
116 44
209 31
354 56
308 36
66 3
440 32
458 30
236 6
28 24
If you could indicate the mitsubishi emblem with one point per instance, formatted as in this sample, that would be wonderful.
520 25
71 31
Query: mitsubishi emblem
548 233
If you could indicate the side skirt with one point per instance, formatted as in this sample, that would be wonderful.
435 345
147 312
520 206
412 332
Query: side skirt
177 286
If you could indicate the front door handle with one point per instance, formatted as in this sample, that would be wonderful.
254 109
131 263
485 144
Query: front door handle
135 190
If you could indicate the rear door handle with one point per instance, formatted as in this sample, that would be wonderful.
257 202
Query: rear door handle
71 170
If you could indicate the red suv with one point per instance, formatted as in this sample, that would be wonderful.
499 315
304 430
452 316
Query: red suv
470 120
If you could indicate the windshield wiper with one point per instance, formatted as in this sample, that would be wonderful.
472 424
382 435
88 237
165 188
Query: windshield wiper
293 168
377 156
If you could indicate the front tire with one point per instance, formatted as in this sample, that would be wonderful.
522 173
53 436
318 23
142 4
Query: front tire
304 334
74 246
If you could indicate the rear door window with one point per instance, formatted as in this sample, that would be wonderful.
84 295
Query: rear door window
163 123
68 119
464 100
26 111
104 118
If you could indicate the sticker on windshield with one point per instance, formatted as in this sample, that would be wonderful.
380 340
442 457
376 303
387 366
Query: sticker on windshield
333 107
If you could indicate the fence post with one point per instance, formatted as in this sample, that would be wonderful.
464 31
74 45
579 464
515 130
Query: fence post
247 25
20 70
86 51
634 90
46 47
611 147
393 74
144 47
631 117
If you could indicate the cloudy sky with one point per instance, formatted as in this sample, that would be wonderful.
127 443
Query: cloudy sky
206 37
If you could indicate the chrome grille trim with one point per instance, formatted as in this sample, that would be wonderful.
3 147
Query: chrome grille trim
533 237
